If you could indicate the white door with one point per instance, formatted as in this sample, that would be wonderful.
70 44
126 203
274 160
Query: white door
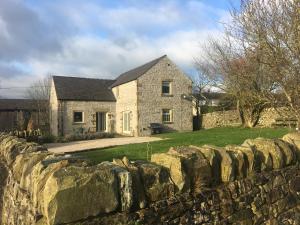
126 122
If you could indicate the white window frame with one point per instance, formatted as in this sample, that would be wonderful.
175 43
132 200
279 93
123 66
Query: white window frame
82 121
126 118
167 115
170 87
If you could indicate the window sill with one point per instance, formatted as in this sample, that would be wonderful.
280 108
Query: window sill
78 123
167 95
167 122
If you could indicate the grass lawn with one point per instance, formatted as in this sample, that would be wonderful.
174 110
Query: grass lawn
216 136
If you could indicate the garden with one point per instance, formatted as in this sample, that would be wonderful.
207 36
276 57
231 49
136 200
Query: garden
215 136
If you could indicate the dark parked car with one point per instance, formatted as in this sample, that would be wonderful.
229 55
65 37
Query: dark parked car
156 128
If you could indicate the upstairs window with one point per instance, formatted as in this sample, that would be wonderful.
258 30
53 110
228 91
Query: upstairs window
78 117
166 87
167 116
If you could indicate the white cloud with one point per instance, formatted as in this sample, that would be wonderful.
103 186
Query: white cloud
105 58
97 41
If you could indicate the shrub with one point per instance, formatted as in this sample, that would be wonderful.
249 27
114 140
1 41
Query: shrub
87 136
46 139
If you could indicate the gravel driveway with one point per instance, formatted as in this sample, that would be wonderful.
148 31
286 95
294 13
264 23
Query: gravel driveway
99 143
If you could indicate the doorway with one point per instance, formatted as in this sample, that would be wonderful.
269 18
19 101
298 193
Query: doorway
100 121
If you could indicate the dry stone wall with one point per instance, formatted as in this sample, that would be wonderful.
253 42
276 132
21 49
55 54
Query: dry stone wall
255 183
220 119
231 118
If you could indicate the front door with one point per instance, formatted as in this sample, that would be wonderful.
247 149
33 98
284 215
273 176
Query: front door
101 121
126 122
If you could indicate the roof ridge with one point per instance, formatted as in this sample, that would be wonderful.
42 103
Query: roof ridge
127 73
90 78
157 59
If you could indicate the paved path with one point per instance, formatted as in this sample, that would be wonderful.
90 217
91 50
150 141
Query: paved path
99 143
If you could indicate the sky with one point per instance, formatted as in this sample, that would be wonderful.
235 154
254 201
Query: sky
100 38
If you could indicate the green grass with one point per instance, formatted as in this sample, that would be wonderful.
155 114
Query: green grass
216 136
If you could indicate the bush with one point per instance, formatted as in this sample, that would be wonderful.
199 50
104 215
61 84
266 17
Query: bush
87 136
46 139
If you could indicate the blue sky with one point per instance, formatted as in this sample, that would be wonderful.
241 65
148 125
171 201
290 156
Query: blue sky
100 38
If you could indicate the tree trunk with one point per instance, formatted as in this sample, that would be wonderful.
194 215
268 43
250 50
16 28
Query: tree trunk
250 117
241 113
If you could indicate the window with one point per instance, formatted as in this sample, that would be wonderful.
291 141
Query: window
126 122
166 87
167 115
78 117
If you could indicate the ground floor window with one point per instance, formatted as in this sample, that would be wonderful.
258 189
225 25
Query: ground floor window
78 117
126 121
167 116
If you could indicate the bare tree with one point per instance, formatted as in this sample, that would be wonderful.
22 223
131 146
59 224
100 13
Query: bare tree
201 84
272 28
236 70
39 92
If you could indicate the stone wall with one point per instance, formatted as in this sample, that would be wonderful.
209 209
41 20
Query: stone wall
231 118
220 119
269 116
255 183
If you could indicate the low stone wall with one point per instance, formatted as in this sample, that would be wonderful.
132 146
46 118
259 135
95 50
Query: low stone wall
255 183
269 116
220 119
231 118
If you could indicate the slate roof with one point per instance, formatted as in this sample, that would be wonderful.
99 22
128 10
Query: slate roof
136 72
83 89
18 104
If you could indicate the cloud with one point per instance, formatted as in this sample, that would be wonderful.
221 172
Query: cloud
98 38
25 33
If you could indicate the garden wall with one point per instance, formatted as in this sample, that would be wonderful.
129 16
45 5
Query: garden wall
231 118
258 182
220 119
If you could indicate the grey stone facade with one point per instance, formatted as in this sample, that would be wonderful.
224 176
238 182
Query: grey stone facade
140 100
151 101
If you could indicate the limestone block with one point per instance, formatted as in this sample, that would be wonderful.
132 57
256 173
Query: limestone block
23 166
10 148
241 160
272 156
175 164
138 194
227 164
125 185
73 193
39 176
214 162
288 152
156 181
196 165
294 139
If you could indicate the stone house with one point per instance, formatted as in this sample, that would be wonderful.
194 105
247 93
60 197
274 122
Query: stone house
155 92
